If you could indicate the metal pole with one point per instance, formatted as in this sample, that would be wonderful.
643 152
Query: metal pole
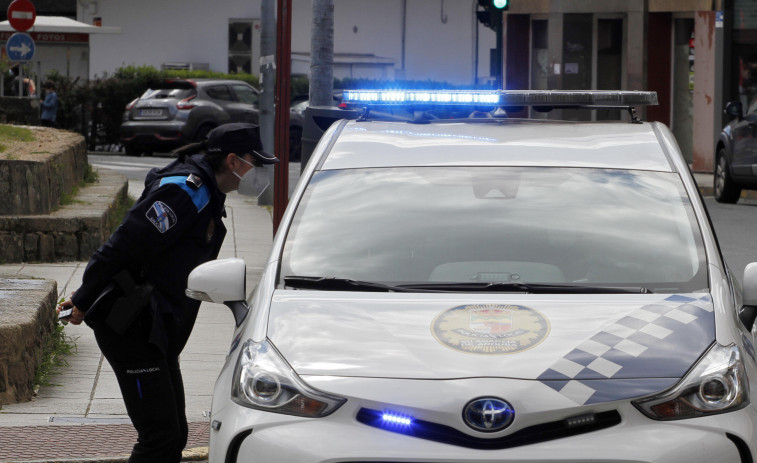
500 47
283 66
268 87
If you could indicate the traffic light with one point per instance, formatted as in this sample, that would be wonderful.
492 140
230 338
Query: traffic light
490 13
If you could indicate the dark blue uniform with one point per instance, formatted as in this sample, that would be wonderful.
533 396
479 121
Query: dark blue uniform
174 227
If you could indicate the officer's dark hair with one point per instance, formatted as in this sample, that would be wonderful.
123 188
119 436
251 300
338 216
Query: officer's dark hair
214 159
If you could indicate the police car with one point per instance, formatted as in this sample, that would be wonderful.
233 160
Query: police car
489 289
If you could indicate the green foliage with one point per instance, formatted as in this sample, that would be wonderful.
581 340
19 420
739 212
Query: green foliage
121 208
95 107
299 86
58 346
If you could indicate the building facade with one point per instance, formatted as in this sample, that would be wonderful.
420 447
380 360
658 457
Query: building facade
696 54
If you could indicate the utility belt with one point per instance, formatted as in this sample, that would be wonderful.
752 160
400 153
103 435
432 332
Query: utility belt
120 303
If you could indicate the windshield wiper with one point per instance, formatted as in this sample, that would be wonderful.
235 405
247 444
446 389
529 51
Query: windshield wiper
340 284
346 284
532 288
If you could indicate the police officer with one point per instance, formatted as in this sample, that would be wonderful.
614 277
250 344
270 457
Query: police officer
132 292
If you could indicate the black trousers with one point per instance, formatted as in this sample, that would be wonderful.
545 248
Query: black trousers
152 389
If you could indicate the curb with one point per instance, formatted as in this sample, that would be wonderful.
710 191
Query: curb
196 454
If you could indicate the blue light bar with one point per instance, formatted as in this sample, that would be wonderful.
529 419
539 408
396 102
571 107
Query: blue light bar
608 98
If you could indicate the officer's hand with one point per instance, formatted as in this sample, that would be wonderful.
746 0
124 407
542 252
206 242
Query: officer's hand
76 317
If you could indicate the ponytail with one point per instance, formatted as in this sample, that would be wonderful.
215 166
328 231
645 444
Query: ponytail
192 148
215 160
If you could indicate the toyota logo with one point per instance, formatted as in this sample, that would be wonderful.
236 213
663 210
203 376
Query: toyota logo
488 414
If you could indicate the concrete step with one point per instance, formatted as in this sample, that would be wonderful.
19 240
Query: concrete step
70 233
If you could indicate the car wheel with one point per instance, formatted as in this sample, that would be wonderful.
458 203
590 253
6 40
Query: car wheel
726 191
295 144
133 150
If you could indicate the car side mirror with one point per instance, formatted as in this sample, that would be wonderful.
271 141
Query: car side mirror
734 109
748 312
221 281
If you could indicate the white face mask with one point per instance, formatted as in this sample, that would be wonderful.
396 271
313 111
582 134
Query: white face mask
254 182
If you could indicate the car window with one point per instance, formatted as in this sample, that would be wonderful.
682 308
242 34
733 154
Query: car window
495 224
220 92
167 93
246 94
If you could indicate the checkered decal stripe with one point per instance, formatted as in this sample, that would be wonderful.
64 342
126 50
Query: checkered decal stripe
657 343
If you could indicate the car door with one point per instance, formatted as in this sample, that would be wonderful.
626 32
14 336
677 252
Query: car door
246 104
745 144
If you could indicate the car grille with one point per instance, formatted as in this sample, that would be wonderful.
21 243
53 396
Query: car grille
531 435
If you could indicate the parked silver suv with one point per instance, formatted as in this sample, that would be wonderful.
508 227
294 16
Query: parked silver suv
174 112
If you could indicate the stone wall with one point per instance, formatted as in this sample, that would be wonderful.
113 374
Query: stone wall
26 325
20 111
37 186
71 233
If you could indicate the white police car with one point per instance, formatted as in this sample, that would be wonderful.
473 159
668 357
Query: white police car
489 290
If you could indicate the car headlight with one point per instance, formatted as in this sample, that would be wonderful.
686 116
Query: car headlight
716 384
263 380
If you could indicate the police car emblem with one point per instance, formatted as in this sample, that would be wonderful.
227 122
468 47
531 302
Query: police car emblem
161 216
488 414
490 328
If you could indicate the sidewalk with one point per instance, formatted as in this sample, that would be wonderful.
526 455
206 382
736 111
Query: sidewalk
82 417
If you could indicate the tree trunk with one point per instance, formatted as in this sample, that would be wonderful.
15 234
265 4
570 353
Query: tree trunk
322 54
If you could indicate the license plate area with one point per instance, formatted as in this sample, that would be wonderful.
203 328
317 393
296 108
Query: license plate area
151 112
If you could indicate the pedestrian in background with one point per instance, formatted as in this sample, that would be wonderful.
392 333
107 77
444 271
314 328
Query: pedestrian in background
133 289
49 105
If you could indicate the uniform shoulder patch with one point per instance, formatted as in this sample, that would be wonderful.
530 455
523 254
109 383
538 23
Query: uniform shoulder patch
199 193
162 216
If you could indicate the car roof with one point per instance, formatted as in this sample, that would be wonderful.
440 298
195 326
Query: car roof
509 142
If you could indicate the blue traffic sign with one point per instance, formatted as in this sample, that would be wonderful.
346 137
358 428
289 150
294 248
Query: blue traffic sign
20 47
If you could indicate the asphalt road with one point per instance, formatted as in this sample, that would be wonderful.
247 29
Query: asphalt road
735 226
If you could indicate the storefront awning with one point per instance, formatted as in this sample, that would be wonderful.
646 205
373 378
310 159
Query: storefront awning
61 24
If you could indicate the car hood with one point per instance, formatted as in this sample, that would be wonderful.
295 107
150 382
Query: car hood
555 339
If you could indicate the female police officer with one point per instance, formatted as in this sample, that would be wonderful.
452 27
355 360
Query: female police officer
132 292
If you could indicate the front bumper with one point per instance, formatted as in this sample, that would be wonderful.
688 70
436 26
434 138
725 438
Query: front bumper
250 436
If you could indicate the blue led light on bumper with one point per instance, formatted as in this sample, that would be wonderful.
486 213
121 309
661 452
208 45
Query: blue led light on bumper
396 420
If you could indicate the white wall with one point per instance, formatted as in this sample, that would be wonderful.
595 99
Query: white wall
159 31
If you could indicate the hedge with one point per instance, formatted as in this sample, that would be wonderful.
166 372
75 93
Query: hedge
95 107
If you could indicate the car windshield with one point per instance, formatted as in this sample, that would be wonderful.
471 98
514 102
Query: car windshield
497 225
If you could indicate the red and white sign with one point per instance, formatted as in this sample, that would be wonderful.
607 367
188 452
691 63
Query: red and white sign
21 15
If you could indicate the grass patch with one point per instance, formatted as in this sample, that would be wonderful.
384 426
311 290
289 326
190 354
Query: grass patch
13 133
118 215
54 353
90 176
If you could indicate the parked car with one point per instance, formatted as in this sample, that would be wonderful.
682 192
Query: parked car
488 290
174 112
297 121
736 154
